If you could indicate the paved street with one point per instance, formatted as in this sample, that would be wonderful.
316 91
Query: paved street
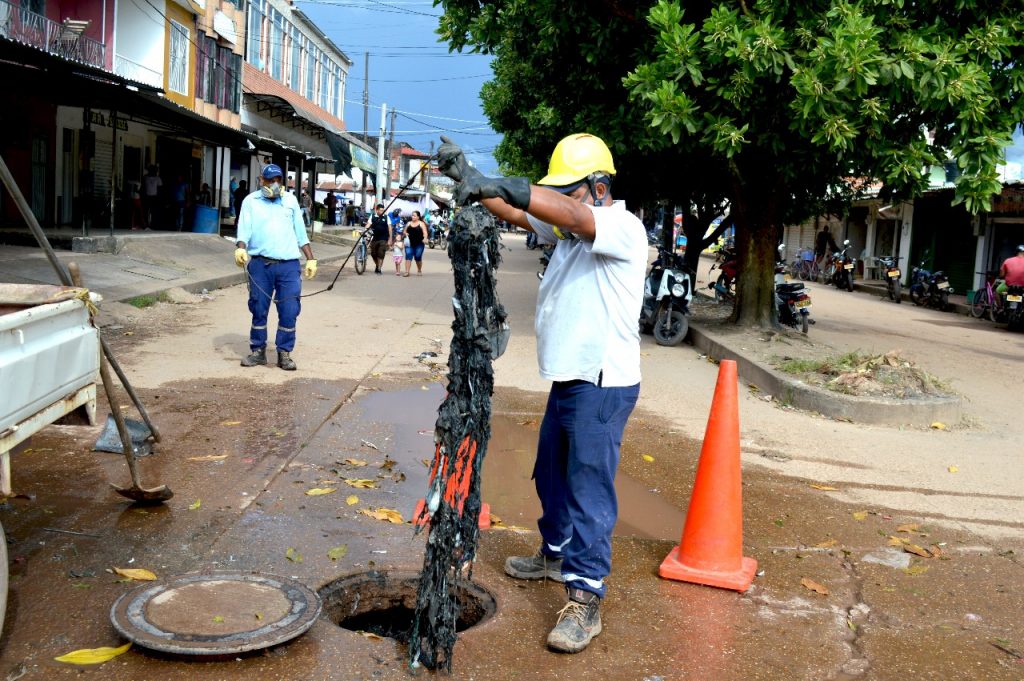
281 434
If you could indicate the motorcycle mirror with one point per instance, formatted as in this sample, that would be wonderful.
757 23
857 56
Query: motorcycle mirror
782 247
846 243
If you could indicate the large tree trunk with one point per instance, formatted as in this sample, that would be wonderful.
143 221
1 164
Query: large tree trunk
756 249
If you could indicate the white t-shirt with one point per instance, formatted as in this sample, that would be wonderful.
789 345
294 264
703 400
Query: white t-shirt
588 306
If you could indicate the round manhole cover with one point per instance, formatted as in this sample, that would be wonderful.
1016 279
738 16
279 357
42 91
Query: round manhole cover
215 613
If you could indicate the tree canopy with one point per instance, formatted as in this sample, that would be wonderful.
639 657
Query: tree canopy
773 105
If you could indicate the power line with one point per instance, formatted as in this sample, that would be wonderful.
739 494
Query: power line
427 80
386 7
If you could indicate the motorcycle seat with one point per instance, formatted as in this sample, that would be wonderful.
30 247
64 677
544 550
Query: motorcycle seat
789 287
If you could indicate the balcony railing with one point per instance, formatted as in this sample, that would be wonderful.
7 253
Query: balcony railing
133 70
62 39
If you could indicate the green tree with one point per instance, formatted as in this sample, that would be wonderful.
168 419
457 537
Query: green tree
770 106
558 69
797 98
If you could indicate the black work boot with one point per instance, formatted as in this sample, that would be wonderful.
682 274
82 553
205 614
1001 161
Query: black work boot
255 358
284 360
537 566
578 622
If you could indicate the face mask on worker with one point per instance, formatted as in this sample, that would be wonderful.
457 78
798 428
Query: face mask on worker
273 190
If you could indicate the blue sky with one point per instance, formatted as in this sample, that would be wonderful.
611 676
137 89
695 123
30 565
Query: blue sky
435 92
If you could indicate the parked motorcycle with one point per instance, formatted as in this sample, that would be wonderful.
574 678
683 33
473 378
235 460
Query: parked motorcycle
842 269
930 288
1014 308
531 241
891 273
545 260
667 295
792 302
725 286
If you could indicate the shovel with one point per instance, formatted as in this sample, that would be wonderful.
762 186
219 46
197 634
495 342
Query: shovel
136 492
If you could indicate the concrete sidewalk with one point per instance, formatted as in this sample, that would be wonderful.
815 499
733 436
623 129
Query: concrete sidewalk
147 263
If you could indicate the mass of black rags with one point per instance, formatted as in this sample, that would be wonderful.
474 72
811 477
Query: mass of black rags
463 428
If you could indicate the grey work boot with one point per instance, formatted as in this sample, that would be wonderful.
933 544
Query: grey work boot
578 622
537 566
255 358
285 361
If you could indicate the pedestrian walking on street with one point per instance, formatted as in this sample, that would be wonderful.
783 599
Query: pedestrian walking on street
415 236
239 196
332 208
350 214
823 244
270 237
398 254
588 345
307 208
151 185
380 236
181 201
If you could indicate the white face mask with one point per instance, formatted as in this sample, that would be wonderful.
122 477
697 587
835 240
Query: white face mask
272 190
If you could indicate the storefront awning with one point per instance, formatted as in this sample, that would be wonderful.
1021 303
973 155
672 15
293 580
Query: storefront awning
290 109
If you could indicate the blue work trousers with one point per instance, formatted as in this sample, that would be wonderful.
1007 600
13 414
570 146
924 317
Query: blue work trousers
577 456
280 279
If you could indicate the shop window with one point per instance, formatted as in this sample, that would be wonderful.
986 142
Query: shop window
310 71
236 83
294 84
255 33
177 76
206 68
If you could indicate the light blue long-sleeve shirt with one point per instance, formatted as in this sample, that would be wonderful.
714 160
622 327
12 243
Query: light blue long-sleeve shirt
273 229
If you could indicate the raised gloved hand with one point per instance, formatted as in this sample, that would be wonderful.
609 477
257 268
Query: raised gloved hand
241 257
310 270
451 160
515 191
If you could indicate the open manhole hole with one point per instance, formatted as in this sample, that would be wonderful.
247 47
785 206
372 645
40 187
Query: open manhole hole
383 603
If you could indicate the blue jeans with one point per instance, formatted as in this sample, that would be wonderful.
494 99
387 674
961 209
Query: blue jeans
414 253
577 456
280 279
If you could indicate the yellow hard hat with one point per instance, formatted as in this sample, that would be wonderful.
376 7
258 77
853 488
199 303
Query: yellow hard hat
577 157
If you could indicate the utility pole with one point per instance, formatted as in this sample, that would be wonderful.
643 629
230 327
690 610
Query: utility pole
379 185
426 182
366 123
391 151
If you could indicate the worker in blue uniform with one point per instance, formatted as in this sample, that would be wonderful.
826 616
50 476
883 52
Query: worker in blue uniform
271 235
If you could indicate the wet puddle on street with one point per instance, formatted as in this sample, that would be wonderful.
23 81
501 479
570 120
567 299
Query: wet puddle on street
508 465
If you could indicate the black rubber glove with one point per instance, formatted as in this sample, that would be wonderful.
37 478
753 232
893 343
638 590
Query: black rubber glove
451 160
515 191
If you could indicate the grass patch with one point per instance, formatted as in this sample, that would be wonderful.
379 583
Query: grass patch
148 301
857 373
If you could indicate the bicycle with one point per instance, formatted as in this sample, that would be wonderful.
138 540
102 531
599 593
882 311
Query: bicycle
986 301
360 253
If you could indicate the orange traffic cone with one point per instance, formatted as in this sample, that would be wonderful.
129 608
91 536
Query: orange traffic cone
711 550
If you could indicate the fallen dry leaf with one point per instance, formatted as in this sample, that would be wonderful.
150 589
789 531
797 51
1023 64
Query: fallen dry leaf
338 552
814 586
354 462
917 550
209 457
218 619
230 423
352 500
385 514
915 570
320 491
137 574
293 555
909 527
93 655
824 488
860 515
648 458
952 469
194 506
360 483
938 425
828 543
387 464
897 541
528 422
370 635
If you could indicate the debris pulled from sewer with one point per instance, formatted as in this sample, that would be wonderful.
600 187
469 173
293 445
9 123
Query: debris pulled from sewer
856 373
463 429
898 560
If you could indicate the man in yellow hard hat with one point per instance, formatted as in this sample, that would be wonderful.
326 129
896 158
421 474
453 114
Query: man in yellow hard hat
588 346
